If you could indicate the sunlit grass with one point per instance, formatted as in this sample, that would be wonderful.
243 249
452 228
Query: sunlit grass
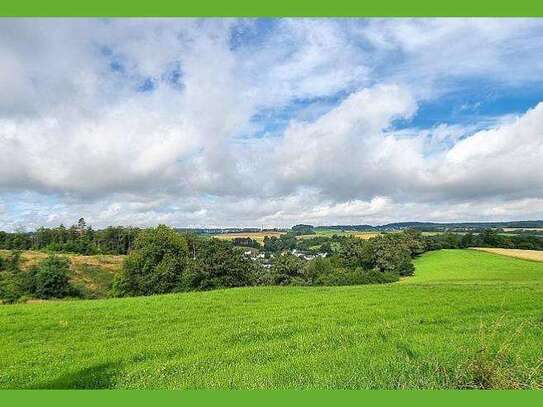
428 333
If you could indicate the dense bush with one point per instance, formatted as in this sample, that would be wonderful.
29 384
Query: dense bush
164 261
13 282
246 242
358 276
218 264
287 269
156 264
50 279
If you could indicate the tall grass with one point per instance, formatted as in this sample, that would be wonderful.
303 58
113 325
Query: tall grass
428 333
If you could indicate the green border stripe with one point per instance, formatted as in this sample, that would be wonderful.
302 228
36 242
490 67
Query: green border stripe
309 8
103 398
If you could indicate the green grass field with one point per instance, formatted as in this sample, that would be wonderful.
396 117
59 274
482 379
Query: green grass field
466 320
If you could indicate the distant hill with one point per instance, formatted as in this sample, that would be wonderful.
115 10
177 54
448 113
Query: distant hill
434 226
423 226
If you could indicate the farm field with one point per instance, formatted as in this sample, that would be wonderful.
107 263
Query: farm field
536 255
468 319
92 274
331 232
258 236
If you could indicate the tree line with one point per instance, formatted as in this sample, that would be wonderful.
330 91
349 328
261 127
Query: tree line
162 260
79 238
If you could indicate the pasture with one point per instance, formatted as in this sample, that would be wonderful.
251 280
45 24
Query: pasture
468 319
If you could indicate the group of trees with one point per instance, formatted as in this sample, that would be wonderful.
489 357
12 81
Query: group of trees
49 279
79 238
164 261
484 238
246 242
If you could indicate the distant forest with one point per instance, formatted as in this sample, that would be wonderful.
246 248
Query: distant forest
83 239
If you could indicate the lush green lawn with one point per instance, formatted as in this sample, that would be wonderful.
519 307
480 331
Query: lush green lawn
474 267
425 333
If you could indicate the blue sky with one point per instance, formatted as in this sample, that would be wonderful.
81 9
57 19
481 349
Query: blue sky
244 122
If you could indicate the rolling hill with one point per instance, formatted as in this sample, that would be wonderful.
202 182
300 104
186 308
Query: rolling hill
466 320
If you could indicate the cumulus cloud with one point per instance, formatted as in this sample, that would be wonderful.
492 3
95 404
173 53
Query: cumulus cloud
228 122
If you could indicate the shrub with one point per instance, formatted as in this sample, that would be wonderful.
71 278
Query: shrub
156 264
13 282
358 276
50 279
287 269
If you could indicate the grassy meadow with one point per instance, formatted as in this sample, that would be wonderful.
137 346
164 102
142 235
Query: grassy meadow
93 275
467 319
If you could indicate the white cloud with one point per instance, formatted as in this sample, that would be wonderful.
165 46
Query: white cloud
78 138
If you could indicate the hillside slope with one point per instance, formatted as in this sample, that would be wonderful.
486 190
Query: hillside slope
415 335
93 275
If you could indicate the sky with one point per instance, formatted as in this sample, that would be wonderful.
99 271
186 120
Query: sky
269 122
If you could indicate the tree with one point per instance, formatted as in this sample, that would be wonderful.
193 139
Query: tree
219 264
302 229
13 282
355 252
287 269
392 254
155 265
50 279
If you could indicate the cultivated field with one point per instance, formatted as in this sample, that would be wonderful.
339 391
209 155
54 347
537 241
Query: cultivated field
536 255
468 319
520 229
331 232
92 274
258 236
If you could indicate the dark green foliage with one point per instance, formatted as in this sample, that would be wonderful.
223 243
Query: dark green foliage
47 280
50 279
486 238
278 244
287 269
218 264
392 254
357 253
79 238
156 264
358 276
246 242
165 261
13 282
302 229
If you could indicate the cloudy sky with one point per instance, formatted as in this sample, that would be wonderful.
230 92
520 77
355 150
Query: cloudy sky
227 122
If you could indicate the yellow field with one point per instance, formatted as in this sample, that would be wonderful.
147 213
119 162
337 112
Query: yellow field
93 274
365 235
258 236
519 229
536 255
108 262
